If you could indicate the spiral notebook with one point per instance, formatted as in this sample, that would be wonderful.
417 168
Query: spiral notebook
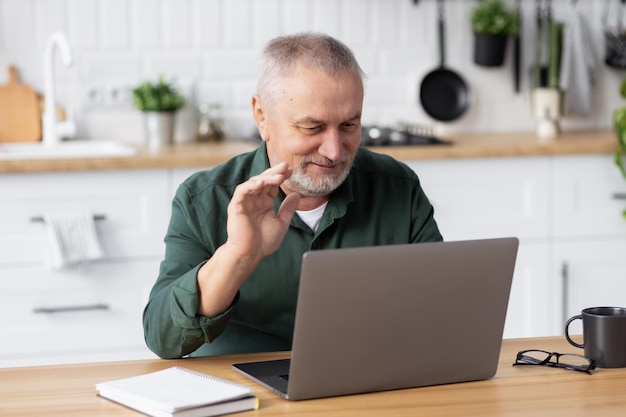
179 392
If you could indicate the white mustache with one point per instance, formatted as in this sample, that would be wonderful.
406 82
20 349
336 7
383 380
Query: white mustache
321 161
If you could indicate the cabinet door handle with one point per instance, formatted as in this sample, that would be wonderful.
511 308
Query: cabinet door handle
69 309
564 293
40 219
619 196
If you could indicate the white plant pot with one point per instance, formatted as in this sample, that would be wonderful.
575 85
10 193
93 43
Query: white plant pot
547 109
159 129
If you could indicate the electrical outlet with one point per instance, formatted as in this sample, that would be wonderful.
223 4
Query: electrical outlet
94 96
108 95
119 95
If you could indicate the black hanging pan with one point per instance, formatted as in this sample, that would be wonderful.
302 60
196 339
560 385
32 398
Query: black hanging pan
444 94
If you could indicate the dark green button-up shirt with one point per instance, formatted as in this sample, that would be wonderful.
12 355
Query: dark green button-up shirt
380 203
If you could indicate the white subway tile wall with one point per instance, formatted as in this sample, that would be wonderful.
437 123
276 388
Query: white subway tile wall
211 48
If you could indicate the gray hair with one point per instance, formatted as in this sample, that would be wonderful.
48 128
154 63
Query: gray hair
285 54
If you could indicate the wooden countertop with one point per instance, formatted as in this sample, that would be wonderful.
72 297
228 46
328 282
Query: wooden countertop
69 390
197 155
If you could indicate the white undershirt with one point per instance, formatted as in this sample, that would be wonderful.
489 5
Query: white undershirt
312 217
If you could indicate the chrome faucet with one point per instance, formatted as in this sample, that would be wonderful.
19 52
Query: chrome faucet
53 129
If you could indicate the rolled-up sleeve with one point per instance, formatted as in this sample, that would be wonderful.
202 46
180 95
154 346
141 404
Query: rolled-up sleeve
172 327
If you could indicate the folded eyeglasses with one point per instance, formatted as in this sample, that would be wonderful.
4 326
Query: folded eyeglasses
557 360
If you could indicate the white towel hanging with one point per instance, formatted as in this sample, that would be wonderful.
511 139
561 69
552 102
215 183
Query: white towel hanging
71 239
577 65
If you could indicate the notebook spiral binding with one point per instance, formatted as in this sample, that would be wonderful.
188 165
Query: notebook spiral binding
205 376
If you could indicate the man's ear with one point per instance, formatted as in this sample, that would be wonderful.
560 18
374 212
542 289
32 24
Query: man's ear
260 116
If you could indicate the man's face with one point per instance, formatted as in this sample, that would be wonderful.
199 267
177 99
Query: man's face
315 126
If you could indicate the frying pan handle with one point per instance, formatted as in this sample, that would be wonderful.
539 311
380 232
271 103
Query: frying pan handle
517 49
442 30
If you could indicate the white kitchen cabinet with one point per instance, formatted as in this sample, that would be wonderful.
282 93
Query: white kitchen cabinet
584 197
589 233
478 198
572 236
89 312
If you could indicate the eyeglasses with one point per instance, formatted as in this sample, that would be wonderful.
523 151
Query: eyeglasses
554 359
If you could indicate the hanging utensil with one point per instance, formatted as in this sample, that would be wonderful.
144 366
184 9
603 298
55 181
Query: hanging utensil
517 48
546 28
443 93
537 70
615 38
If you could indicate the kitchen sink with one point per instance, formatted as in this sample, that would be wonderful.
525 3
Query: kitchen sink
63 150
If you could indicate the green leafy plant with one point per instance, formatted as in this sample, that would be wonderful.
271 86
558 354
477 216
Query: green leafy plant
619 125
494 17
159 96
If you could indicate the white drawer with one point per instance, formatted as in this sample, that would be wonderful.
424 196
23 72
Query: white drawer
478 198
90 313
134 206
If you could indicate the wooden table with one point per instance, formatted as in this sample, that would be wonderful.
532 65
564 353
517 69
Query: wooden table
68 390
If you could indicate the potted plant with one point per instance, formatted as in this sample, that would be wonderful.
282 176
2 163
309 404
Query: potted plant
619 125
158 101
492 23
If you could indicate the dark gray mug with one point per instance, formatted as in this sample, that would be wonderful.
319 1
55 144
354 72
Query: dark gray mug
604 335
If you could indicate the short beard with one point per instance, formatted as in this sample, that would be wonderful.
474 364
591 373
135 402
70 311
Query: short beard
307 186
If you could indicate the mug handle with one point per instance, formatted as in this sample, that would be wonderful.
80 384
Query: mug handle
569 339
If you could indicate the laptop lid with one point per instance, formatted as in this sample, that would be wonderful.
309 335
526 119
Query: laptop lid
391 317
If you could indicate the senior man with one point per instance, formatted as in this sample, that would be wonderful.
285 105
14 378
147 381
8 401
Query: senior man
229 280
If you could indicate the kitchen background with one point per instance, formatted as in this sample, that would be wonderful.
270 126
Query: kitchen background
210 48
562 206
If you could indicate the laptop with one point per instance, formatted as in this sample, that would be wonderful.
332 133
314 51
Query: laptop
392 317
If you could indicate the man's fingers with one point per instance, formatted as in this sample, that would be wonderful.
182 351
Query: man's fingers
271 177
288 207
254 186
275 175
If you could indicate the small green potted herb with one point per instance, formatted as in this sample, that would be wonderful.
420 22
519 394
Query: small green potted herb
493 21
159 96
158 101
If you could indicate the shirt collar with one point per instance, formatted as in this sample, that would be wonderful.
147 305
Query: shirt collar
261 161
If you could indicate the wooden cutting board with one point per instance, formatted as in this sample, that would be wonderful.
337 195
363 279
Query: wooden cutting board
20 112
